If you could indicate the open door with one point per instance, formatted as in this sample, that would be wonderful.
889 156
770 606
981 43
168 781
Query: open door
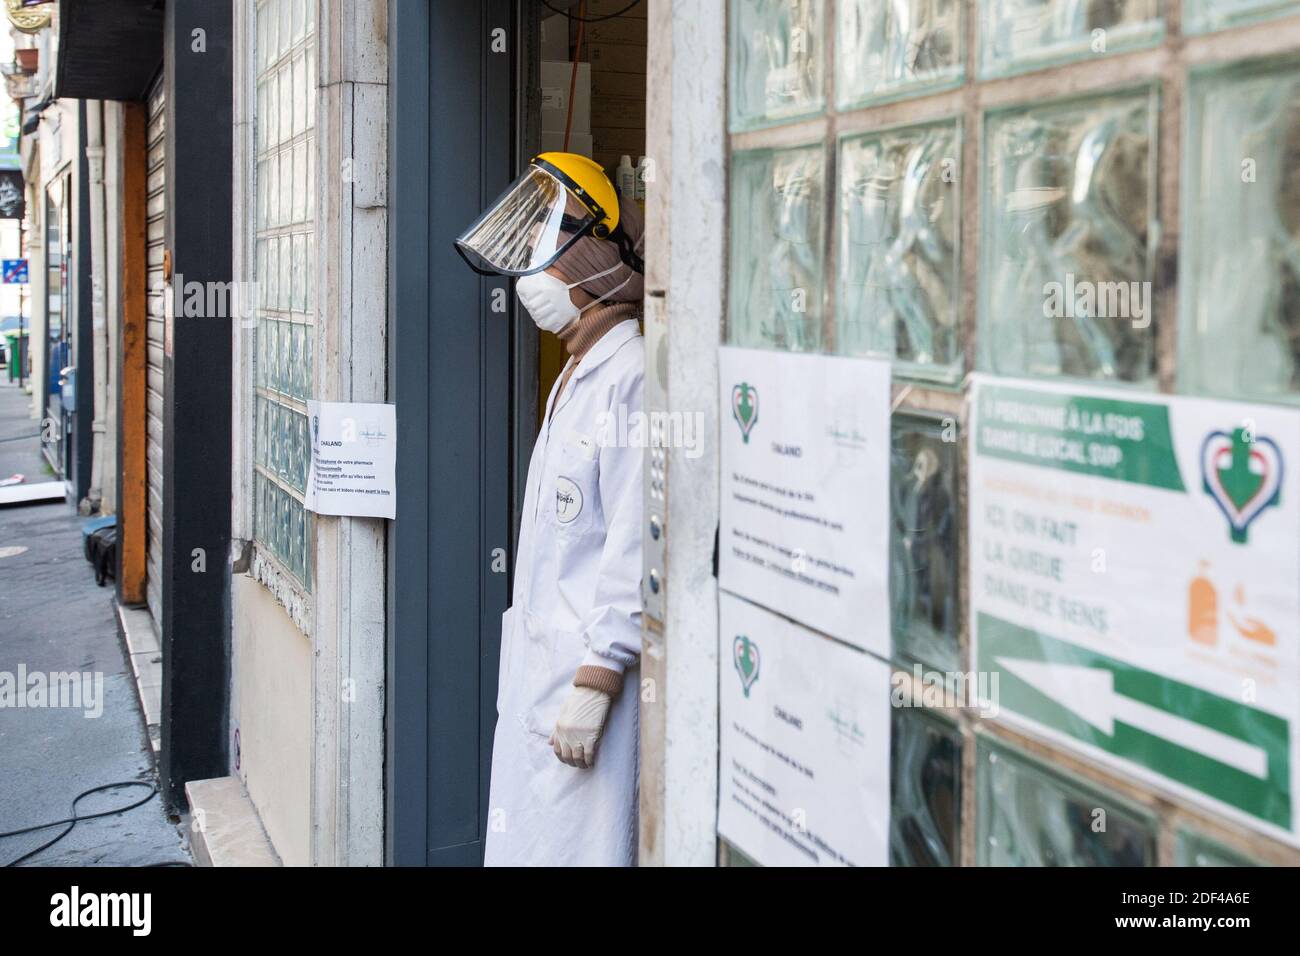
452 148
469 374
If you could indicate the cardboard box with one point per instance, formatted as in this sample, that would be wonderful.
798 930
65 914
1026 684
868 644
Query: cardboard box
555 37
620 141
604 83
553 142
618 112
555 77
618 30
617 57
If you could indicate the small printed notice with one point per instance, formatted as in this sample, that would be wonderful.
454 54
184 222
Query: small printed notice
805 489
803 770
353 468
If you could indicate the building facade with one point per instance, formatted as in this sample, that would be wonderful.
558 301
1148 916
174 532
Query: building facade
943 164
257 212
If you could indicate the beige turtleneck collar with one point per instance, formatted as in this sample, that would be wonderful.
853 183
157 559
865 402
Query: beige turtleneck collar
592 326
590 329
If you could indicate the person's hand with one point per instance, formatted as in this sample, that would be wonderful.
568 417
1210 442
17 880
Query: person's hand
580 724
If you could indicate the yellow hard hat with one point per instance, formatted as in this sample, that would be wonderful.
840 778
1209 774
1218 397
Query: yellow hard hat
587 181
559 199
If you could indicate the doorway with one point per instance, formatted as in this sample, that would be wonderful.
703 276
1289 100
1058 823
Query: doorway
469 372
591 83
60 378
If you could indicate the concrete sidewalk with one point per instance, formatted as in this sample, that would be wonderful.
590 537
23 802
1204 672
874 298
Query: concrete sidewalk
54 619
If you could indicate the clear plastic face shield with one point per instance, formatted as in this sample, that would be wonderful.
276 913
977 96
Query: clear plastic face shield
527 229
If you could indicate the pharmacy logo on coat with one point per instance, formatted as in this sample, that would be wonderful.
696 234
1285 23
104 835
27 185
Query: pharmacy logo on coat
744 407
568 500
1243 474
745 653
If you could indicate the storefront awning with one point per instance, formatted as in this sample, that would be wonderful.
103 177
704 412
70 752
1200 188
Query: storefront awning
108 49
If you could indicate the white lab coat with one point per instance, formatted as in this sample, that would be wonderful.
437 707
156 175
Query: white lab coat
576 601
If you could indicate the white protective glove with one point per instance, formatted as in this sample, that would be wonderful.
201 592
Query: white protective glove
580 724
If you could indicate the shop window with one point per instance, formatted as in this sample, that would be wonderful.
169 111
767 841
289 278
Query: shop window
925 771
889 49
1069 219
923 571
1028 816
776 249
1021 35
899 276
1193 849
1239 333
1206 16
284 135
776 61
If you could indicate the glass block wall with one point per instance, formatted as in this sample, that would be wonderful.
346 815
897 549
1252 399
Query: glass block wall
899 236
1021 35
907 178
777 255
285 211
1241 241
1067 193
1207 16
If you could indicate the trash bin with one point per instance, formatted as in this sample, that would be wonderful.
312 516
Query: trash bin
16 354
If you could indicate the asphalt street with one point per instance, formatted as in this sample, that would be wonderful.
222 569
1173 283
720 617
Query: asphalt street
54 619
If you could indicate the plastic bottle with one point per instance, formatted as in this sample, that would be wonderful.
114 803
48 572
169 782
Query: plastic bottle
641 168
625 178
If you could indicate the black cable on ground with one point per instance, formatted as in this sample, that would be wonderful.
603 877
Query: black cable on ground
73 820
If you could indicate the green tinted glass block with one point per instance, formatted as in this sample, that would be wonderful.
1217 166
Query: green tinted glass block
270 282
1029 816
1021 35
898 228
285 380
776 61
1069 222
887 49
1239 308
308 540
925 785
268 344
923 572
1206 16
776 256
729 856
1193 849
261 414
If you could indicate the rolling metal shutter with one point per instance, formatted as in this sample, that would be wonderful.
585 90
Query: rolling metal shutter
155 185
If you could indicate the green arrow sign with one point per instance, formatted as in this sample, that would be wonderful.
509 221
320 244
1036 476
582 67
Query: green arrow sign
1220 747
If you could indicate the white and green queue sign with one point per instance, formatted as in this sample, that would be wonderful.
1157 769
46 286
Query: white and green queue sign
1135 585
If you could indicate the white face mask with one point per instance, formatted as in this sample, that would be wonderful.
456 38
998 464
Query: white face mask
548 301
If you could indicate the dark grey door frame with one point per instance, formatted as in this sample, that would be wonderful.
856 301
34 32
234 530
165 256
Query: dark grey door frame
454 144
84 324
196 403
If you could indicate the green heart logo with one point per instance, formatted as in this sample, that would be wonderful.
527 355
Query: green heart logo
1242 472
744 408
745 653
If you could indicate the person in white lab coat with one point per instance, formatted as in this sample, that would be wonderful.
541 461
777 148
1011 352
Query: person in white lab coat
565 752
